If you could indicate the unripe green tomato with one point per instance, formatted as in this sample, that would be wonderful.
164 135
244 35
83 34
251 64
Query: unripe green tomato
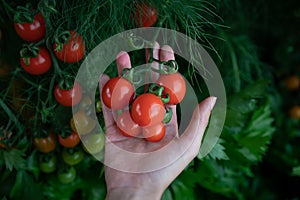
67 176
72 158
93 143
48 165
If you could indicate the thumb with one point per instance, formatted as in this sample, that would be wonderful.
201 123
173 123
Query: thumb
194 132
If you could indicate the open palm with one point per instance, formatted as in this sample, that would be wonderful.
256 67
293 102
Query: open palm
136 168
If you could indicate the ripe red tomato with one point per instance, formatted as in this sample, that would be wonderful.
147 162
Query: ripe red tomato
32 32
68 97
39 64
117 93
145 16
45 144
154 133
69 141
147 109
174 85
127 126
71 51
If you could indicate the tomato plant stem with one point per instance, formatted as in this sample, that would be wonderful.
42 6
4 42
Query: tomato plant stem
12 116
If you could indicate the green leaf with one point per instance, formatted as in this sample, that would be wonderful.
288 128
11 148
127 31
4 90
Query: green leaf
25 187
181 191
218 151
167 195
296 171
13 158
32 164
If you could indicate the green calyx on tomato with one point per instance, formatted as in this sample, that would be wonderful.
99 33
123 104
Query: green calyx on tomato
174 85
29 24
45 144
67 93
25 14
66 175
47 163
72 156
68 138
158 91
69 46
35 60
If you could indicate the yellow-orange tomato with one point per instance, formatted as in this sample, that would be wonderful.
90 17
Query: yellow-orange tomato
295 112
292 82
45 144
81 123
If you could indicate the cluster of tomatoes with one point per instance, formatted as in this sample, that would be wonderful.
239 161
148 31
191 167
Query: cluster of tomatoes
144 115
61 152
292 83
37 59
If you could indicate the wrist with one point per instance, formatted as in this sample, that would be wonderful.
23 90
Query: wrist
132 194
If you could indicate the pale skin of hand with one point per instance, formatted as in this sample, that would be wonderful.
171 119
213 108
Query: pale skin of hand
151 185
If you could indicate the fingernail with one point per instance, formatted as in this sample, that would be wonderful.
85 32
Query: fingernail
212 102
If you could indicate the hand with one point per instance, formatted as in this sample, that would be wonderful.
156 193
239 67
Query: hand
146 175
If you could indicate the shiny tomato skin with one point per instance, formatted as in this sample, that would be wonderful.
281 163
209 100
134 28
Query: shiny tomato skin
67 176
68 97
81 123
127 126
174 85
73 50
70 141
48 166
147 109
93 143
117 93
32 32
72 158
39 64
154 133
46 144
145 16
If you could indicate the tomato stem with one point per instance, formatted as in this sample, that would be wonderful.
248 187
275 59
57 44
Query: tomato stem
168 116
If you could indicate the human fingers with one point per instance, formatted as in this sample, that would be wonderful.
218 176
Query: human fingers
107 113
196 128
123 61
166 53
155 51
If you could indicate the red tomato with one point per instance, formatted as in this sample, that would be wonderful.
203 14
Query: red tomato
174 85
69 141
154 133
68 97
32 32
127 126
73 50
147 109
145 16
117 93
46 144
39 64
